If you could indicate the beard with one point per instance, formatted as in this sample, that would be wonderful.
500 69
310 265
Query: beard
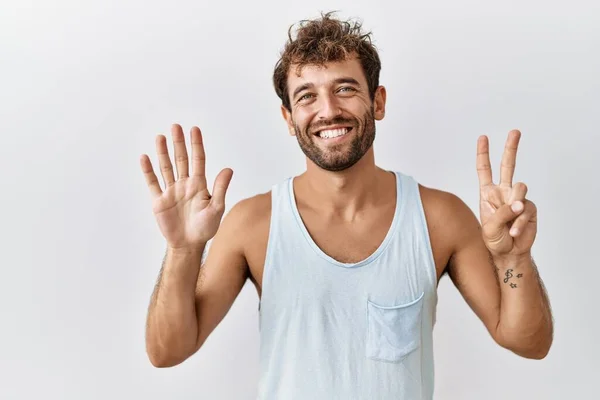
341 156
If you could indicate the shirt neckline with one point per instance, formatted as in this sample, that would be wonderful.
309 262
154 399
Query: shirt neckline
327 257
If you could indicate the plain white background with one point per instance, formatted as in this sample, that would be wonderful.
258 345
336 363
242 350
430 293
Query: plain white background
86 86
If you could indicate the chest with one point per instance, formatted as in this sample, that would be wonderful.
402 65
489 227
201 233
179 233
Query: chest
347 242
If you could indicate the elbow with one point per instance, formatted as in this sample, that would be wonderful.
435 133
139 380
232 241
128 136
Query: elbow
539 355
166 349
533 348
165 357
162 362
532 353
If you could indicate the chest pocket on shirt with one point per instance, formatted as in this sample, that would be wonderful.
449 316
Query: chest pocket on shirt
393 332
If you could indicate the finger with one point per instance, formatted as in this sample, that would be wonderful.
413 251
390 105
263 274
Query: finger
497 225
495 197
522 220
518 192
509 158
484 168
198 155
181 155
166 168
220 188
150 176
507 213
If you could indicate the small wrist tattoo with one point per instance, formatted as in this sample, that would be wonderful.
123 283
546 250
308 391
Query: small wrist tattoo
508 275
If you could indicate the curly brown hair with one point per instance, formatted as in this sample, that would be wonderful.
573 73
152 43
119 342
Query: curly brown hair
324 40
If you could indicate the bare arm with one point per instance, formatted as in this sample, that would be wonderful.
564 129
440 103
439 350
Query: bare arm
526 325
223 273
516 312
171 324
191 299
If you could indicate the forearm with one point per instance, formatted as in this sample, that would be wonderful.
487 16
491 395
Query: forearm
525 324
172 323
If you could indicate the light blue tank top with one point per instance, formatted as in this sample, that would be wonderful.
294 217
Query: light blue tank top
350 331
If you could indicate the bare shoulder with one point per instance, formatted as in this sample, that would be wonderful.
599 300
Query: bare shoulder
444 206
450 222
240 223
250 211
250 218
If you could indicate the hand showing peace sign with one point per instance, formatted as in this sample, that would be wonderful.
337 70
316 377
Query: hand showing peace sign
509 221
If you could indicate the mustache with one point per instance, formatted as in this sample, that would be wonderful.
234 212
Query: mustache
335 121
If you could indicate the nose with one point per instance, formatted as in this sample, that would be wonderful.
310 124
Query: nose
328 107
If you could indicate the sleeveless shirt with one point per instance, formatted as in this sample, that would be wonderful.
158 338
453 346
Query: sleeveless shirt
333 330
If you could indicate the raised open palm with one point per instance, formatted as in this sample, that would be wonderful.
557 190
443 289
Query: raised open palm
509 221
187 214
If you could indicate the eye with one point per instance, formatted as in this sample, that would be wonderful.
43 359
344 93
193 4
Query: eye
305 97
346 89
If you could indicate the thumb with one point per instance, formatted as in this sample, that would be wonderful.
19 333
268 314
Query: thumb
220 188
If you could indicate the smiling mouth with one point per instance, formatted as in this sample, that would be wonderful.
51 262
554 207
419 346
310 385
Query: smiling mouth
333 133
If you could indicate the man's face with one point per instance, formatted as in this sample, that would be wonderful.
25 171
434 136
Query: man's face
332 115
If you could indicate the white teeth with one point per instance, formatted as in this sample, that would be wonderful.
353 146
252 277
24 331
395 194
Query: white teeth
331 133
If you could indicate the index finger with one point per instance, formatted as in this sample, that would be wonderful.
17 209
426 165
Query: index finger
509 158
484 168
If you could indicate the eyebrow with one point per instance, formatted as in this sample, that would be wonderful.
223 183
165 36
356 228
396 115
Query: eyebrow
336 82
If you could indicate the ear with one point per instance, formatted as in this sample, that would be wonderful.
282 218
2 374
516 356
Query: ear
287 116
379 103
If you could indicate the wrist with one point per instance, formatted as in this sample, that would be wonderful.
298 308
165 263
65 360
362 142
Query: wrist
512 260
185 251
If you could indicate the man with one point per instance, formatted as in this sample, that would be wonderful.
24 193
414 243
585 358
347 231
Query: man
346 257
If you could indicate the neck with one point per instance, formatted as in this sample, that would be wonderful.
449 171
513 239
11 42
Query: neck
344 193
